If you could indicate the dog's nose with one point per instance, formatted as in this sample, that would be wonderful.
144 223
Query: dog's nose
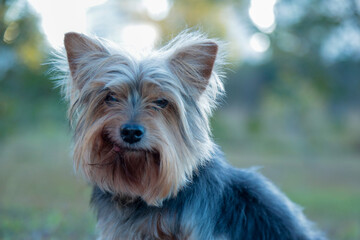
132 133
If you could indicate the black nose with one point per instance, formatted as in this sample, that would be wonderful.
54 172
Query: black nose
132 133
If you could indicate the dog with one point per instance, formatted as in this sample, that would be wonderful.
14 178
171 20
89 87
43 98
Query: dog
142 139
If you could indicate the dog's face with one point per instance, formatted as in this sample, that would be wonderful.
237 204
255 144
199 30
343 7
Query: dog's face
141 125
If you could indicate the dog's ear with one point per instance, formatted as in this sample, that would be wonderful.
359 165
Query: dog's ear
194 63
78 46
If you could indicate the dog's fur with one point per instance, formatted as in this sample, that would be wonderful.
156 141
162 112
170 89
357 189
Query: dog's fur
174 183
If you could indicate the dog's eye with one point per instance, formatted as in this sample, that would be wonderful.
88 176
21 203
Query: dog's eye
110 98
161 102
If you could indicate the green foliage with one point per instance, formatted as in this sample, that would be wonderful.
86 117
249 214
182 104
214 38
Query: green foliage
26 94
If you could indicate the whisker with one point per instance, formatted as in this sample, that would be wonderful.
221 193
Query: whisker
101 164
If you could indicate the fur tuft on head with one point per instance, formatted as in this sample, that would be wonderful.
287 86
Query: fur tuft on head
169 93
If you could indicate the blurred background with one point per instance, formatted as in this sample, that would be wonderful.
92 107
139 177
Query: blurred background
292 105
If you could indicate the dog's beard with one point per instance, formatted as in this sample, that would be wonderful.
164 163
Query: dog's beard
153 174
124 171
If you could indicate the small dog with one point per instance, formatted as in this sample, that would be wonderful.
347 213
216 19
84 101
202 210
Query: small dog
143 140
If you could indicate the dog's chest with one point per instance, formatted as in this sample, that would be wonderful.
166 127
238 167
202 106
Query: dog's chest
130 224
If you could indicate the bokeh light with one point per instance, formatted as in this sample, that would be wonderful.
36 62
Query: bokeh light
259 42
262 14
139 37
157 9
59 17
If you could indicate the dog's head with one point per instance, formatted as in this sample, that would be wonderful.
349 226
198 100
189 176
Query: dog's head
141 124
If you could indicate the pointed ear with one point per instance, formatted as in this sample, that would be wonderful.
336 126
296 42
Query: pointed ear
194 63
79 45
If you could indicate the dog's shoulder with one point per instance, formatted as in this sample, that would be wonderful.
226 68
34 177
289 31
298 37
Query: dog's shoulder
249 206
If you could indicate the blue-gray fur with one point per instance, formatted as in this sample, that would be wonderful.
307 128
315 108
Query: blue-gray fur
221 202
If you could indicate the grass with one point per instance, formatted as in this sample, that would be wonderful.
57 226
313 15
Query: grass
41 198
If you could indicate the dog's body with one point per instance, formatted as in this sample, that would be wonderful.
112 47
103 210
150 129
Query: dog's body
142 138
220 203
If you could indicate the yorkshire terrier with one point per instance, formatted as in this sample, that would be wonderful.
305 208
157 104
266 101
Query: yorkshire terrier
143 140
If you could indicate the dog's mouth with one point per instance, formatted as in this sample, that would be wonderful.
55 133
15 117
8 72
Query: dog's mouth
123 150
118 153
132 152
120 149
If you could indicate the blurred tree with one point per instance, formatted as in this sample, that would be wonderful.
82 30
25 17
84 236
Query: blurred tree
316 45
24 89
206 14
